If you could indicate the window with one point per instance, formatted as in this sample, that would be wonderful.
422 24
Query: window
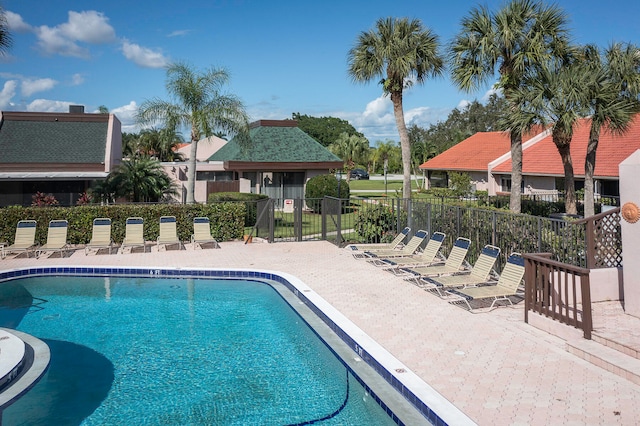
438 179
505 184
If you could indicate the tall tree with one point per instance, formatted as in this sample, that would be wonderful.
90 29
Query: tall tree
400 52
388 151
351 149
553 95
612 98
198 104
522 35
325 130
5 37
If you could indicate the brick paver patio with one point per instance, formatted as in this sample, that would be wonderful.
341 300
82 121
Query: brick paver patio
491 365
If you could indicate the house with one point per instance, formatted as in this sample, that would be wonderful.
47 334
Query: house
56 153
470 156
278 162
486 158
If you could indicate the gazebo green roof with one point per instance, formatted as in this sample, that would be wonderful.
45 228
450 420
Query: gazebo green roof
276 141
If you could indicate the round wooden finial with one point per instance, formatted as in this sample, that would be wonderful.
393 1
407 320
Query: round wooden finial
630 212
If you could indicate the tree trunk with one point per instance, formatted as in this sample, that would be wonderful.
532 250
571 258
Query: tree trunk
405 147
569 181
589 169
191 173
516 172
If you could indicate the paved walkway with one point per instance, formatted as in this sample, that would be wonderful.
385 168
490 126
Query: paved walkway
494 367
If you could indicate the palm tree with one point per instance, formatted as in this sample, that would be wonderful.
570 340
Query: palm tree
399 52
160 144
612 97
383 152
352 149
553 96
199 105
522 35
5 37
140 179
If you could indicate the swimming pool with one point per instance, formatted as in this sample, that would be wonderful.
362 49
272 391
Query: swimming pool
178 351
371 363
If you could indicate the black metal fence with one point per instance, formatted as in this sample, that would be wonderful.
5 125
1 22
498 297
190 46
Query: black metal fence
334 220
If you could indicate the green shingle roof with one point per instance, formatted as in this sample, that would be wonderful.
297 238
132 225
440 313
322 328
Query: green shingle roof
277 144
52 141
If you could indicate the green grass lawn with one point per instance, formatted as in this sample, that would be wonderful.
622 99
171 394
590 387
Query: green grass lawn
372 185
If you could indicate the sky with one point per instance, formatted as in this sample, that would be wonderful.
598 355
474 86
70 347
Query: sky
283 56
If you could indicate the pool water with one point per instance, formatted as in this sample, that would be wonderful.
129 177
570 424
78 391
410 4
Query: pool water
149 351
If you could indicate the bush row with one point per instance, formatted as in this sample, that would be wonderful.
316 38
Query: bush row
249 200
227 220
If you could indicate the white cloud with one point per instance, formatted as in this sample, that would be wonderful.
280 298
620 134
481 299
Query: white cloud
53 42
463 104
46 105
87 27
7 93
143 56
127 116
77 79
16 24
29 87
178 33
490 92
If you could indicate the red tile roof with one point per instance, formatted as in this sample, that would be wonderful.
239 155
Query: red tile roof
543 158
472 154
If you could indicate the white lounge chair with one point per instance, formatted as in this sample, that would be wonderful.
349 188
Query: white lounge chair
480 273
430 254
410 248
25 239
56 238
396 244
202 233
168 234
506 286
134 234
454 263
100 235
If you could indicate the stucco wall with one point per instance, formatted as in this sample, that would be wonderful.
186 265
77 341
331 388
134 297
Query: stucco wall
630 193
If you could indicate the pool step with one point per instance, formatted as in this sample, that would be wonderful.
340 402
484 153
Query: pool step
12 353
608 357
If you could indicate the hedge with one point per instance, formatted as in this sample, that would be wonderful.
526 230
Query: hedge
248 199
227 220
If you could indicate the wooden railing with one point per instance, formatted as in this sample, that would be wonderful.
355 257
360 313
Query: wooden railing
558 291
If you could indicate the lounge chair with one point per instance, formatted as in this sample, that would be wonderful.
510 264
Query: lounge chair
134 234
454 263
100 235
507 285
410 248
56 238
393 245
25 239
428 255
202 233
479 274
168 233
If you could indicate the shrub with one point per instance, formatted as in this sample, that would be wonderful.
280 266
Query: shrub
250 202
322 186
227 220
40 199
372 223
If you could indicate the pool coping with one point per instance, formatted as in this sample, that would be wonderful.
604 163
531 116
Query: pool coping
431 404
